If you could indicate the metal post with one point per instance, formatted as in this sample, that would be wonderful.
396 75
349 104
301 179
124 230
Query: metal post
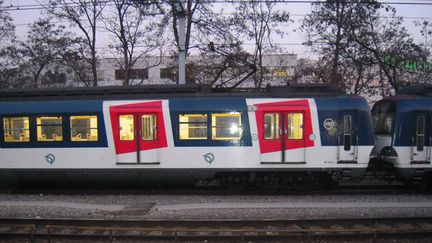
181 14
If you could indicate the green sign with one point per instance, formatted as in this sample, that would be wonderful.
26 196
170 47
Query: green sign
408 64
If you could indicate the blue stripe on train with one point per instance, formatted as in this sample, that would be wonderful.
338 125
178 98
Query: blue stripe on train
334 109
405 119
209 106
54 108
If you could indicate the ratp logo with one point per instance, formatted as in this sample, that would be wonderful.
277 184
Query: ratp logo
329 123
209 157
50 158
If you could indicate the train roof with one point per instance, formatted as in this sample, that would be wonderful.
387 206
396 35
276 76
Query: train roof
409 94
419 90
168 91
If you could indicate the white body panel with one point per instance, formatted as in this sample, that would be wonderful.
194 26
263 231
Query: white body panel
382 141
405 156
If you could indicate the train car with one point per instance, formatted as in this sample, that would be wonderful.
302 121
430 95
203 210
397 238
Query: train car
295 136
403 133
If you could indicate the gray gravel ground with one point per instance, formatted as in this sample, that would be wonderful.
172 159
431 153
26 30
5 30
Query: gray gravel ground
202 207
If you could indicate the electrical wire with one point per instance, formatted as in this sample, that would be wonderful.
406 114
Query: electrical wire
22 7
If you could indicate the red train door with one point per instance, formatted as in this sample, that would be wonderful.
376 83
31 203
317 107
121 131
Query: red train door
138 132
283 131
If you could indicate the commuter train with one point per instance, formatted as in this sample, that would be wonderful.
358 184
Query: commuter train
403 134
294 136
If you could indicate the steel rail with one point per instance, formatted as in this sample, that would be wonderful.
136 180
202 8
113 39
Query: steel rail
115 229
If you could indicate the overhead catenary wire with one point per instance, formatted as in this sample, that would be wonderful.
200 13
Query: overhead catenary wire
23 7
42 6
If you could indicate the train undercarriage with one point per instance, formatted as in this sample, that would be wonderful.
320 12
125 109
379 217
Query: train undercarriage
149 179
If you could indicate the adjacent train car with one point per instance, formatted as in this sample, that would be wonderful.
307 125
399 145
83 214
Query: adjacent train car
403 134
279 136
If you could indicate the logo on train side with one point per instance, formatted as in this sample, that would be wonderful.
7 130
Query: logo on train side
50 158
209 157
329 123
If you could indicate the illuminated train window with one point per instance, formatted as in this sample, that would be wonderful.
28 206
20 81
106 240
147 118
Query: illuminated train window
16 129
193 126
149 127
84 128
127 128
226 126
295 126
49 129
271 126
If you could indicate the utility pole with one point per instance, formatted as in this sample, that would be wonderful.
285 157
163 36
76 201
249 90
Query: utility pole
181 16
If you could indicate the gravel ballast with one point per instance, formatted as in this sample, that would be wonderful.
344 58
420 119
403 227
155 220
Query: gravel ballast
213 207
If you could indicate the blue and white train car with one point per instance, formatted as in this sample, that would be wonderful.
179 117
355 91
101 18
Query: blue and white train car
236 137
403 135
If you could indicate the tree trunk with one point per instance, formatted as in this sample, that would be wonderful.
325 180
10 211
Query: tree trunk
334 76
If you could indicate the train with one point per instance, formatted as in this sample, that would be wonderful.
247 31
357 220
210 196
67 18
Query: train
403 134
297 136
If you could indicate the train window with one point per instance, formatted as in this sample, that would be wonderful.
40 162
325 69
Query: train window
347 128
84 128
295 125
420 132
49 128
271 126
16 129
149 127
226 126
382 115
192 126
127 127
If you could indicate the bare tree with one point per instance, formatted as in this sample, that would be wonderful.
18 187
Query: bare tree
7 49
355 41
74 60
84 14
384 38
226 67
136 34
42 52
328 29
203 26
194 10
259 21
7 29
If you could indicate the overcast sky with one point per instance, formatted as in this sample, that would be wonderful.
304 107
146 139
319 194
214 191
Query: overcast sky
415 10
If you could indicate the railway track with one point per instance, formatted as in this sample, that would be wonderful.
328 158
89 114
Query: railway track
60 230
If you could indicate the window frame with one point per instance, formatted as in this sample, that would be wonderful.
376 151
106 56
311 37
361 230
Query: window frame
381 113
90 128
275 125
347 131
153 128
134 74
289 128
206 123
61 125
120 128
29 129
420 132
226 114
